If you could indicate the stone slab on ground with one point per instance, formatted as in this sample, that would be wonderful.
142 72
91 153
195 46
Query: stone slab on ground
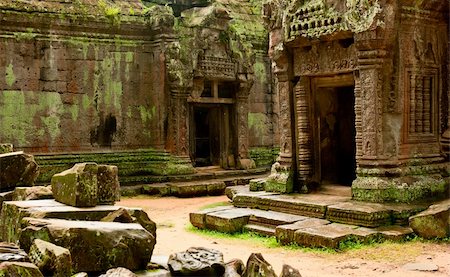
14 269
433 222
77 186
360 213
94 246
230 192
198 219
285 233
154 273
188 189
156 189
394 232
402 212
328 236
17 169
228 221
14 211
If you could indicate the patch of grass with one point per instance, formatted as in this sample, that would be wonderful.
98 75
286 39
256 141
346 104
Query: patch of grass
214 205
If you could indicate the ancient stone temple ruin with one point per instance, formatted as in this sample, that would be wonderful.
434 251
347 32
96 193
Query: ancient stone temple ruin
364 96
155 89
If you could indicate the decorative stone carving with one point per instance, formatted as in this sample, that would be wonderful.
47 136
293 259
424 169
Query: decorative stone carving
197 261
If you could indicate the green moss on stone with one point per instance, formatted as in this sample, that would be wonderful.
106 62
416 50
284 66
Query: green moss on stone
10 78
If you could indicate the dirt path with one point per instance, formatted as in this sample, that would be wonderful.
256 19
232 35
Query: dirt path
172 216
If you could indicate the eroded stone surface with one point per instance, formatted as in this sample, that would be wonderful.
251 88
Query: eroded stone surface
108 184
198 219
32 193
52 260
285 233
110 244
77 186
119 272
258 266
234 268
19 269
359 213
6 148
17 169
289 271
197 261
433 222
228 221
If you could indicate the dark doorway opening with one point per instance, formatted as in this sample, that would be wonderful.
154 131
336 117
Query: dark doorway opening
335 129
211 139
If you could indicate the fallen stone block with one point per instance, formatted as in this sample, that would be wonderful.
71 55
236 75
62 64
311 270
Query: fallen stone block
14 211
197 261
188 190
156 189
10 252
6 148
394 232
215 188
118 272
94 246
257 266
108 184
12 269
433 222
32 193
77 186
328 236
17 169
52 260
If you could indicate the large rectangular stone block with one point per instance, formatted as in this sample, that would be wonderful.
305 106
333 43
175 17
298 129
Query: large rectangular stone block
77 186
94 246
17 169
108 184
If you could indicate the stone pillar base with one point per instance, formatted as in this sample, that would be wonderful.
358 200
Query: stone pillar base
405 189
280 179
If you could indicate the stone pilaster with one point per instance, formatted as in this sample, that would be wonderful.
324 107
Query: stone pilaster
281 177
179 137
242 108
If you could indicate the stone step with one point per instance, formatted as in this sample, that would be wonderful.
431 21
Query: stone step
262 230
336 208
211 186
288 228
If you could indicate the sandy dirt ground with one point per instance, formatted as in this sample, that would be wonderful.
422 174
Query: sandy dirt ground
172 216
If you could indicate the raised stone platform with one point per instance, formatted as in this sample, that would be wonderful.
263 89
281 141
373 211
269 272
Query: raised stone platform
314 220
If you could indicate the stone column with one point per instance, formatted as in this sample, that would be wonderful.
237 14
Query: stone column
445 139
242 108
281 177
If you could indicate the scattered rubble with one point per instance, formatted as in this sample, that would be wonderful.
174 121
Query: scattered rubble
197 261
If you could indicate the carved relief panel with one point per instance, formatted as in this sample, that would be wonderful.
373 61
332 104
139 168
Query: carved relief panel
329 57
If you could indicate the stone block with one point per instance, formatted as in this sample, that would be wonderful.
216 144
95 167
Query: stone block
17 169
19 269
119 272
257 184
394 232
433 222
77 186
258 266
197 261
94 246
188 189
228 221
10 252
14 211
156 189
198 219
52 260
6 148
285 233
32 193
215 187
322 236
359 213
108 184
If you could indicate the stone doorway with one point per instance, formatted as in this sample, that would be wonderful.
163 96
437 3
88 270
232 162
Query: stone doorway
212 135
334 131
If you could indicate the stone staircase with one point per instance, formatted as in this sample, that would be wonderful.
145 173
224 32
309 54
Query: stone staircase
206 181
315 220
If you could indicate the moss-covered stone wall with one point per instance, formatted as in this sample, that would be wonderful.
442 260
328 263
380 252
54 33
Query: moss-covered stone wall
79 76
